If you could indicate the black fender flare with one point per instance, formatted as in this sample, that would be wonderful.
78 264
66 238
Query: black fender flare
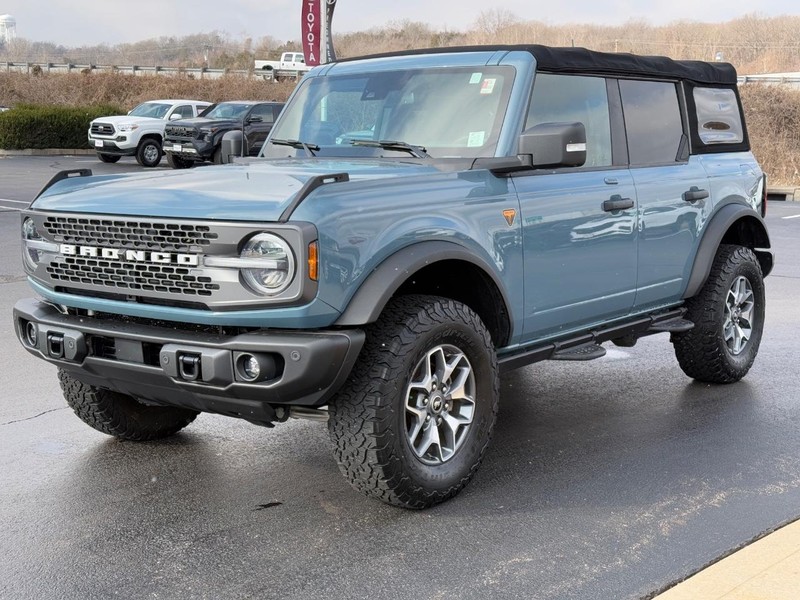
717 227
381 284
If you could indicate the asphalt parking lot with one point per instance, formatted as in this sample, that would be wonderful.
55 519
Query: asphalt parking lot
605 480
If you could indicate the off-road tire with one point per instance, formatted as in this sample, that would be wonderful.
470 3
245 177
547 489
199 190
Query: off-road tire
702 352
216 157
148 154
368 418
176 162
120 415
108 158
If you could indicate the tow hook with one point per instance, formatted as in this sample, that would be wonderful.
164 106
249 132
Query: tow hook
189 367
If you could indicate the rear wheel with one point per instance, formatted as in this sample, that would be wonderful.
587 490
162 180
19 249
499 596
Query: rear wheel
120 415
412 424
176 162
728 314
148 154
108 158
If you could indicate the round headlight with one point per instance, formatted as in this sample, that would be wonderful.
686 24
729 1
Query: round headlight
273 264
31 256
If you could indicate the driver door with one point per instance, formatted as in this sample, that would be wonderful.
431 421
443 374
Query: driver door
580 254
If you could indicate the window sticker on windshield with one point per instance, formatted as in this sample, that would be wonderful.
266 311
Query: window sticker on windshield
475 139
476 78
487 87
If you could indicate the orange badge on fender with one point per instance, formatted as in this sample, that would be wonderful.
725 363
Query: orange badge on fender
509 214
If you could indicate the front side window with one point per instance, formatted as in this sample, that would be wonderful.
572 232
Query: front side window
652 121
718 118
185 111
264 111
451 112
572 98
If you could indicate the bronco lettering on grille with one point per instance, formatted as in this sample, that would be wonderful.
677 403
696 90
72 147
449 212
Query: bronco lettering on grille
191 260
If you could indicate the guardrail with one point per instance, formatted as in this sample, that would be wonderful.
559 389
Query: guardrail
793 80
197 72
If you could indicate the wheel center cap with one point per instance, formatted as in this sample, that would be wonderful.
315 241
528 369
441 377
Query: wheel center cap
436 403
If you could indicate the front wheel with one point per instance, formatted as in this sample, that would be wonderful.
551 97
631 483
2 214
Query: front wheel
176 162
108 158
728 314
148 154
122 416
413 422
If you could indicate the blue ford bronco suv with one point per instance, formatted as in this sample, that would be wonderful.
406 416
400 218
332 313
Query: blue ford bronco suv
417 223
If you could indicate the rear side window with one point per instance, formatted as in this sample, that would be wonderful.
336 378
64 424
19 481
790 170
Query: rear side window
718 118
652 121
569 99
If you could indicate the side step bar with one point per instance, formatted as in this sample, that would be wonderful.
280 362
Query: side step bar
672 326
587 346
582 352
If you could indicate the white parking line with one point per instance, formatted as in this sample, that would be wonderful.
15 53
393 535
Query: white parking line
27 202
791 217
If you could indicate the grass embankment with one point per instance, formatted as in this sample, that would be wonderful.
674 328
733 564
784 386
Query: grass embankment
773 122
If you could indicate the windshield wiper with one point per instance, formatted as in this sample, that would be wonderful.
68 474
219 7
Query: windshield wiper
416 151
309 148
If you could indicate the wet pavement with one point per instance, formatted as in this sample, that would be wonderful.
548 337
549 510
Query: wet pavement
608 479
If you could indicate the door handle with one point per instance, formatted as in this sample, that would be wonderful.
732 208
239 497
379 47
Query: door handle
693 194
617 202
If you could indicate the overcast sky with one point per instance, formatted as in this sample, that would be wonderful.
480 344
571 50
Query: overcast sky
91 22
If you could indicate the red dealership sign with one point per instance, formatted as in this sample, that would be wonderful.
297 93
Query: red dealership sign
316 27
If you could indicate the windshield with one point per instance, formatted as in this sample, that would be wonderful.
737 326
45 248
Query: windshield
450 112
228 110
154 110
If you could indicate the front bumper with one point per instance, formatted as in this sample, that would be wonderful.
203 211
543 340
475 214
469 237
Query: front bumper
191 369
195 149
105 146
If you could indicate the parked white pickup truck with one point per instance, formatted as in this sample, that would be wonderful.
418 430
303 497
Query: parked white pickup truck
291 64
140 133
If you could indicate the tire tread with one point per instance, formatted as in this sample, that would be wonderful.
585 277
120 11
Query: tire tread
360 423
700 351
119 415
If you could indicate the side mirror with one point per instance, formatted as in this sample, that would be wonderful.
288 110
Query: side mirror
174 116
255 119
555 144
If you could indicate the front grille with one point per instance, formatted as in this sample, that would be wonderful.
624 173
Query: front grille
122 275
179 132
154 260
102 129
127 234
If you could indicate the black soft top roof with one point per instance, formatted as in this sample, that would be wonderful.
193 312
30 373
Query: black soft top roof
581 60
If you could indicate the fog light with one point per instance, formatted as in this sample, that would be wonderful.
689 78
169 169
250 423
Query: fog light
253 368
250 367
31 334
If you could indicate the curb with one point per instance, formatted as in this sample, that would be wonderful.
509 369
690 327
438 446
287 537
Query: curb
48 152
